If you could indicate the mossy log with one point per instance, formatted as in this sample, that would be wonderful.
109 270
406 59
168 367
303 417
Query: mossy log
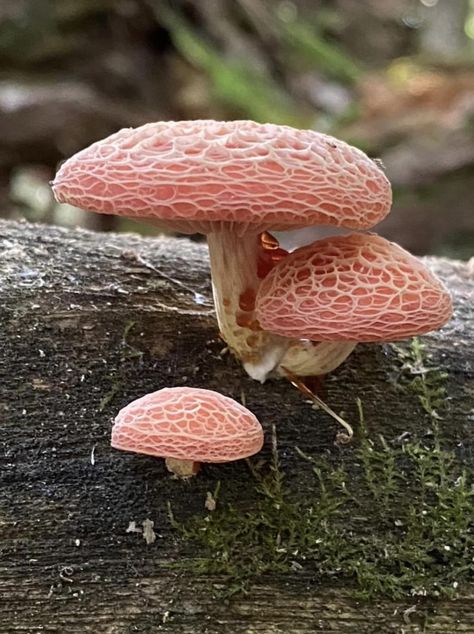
88 322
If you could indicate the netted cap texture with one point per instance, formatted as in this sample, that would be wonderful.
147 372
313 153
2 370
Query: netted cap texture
236 171
188 424
352 288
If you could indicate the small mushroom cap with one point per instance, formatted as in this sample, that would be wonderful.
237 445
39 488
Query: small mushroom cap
190 174
188 424
352 288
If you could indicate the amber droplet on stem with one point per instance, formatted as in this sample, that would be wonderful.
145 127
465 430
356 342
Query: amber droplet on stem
270 253
247 320
247 300
244 319
252 340
268 242
255 325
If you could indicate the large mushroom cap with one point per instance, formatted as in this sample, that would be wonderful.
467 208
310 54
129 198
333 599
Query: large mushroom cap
188 424
192 173
352 288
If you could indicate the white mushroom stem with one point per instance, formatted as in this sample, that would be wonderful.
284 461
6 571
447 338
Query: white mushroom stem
182 468
312 358
234 262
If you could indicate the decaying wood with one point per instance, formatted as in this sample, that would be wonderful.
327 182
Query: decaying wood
87 323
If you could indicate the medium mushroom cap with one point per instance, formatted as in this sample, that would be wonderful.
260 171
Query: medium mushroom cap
188 174
352 288
188 424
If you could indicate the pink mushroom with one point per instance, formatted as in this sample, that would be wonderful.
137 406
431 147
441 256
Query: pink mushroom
232 181
187 426
352 288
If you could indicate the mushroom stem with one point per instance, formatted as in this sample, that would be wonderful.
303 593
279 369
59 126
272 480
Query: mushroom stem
313 358
234 270
182 468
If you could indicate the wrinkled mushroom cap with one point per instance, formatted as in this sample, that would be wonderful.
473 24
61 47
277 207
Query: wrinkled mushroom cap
194 175
352 288
188 424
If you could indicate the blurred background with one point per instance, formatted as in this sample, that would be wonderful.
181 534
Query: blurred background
394 77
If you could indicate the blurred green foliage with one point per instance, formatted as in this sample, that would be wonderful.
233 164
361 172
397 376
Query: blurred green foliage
242 88
250 92
308 45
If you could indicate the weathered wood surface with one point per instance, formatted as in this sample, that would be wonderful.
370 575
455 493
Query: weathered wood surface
84 328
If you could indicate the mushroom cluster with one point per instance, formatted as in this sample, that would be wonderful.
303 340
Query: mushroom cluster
236 182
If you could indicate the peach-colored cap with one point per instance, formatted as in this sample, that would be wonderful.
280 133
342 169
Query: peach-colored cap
201 172
352 288
188 424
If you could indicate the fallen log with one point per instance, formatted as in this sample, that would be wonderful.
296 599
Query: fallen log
90 321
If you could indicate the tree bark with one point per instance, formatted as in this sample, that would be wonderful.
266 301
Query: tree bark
89 322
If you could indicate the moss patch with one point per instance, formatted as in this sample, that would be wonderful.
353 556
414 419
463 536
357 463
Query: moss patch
419 376
397 520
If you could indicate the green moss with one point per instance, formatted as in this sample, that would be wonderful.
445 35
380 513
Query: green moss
115 388
397 520
129 353
427 382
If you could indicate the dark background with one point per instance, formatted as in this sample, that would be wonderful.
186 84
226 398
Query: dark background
394 78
